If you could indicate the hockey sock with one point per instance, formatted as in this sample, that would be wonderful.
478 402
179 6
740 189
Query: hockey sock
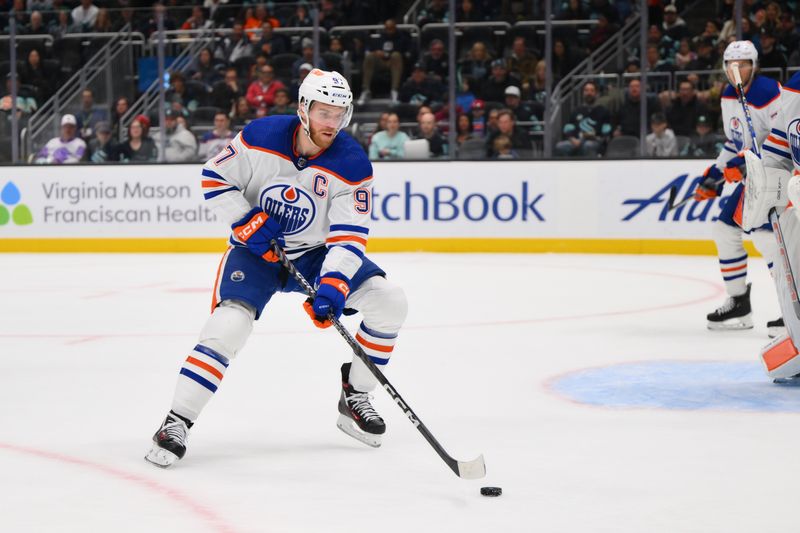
734 273
200 376
378 346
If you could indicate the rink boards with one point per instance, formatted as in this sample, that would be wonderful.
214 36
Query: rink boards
542 206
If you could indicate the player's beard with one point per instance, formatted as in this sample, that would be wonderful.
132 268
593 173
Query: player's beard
319 137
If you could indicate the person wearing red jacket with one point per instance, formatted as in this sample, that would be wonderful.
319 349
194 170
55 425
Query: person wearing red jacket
264 88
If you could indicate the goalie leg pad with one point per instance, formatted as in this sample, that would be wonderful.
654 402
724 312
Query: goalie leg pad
766 187
780 358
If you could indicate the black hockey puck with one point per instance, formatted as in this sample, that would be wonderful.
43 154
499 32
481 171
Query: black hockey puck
491 491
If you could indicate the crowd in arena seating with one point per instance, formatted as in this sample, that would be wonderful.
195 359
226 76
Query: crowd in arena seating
400 79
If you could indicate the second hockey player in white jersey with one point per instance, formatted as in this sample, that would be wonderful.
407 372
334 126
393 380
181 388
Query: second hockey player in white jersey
763 97
302 181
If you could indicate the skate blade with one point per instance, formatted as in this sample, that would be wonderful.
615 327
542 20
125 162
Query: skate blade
793 381
348 426
732 324
775 332
160 457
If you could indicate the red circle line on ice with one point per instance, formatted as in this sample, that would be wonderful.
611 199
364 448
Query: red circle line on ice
197 510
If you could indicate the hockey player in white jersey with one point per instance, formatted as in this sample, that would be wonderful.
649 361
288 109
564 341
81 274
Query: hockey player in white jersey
781 176
302 181
763 97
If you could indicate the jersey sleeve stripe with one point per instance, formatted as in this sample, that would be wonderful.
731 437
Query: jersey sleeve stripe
777 152
341 178
731 150
210 184
348 227
211 174
351 238
353 249
214 194
266 150
779 142
778 132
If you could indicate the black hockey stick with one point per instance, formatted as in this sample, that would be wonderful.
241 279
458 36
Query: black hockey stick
673 193
474 469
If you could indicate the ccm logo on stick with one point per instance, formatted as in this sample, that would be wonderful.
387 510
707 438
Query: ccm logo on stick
402 405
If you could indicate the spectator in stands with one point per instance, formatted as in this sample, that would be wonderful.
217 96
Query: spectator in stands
421 88
477 112
522 62
121 107
306 58
150 24
770 56
494 89
661 142
563 61
60 25
523 111
302 72
227 91
435 11
628 119
283 104
656 62
88 115
254 20
35 26
477 65
178 92
788 36
35 74
300 18
507 126
573 10
537 90
103 24
204 70
65 149
388 52
263 89
772 16
235 46
684 109
463 128
503 148
466 12
710 32
197 20
704 142
242 113
126 16
684 55
464 94
389 143
139 147
428 130
26 103
271 44
84 15
674 26
214 141
588 127
181 146
706 56
329 15
435 62
601 32
102 147
490 127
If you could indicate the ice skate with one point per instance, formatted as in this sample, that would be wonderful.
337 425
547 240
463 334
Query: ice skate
776 328
357 417
734 314
169 442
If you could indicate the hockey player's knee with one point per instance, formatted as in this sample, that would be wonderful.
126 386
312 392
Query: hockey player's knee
228 328
726 236
388 306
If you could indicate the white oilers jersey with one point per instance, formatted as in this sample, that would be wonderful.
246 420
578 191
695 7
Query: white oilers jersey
782 147
763 100
321 200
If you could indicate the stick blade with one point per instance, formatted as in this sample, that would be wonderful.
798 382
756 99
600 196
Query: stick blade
475 469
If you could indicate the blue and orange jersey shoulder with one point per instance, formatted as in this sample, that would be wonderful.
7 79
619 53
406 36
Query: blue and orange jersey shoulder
761 93
345 158
793 85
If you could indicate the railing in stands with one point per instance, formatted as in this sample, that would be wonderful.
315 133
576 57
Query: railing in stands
45 122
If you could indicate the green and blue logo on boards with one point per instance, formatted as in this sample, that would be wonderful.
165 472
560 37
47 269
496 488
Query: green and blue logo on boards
11 210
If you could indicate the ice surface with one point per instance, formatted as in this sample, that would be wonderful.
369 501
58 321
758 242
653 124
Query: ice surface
90 347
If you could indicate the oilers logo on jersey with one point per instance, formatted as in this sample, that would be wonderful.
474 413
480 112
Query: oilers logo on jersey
794 140
291 206
737 133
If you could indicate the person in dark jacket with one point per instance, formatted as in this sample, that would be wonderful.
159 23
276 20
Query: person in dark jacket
588 128
629 114
684 110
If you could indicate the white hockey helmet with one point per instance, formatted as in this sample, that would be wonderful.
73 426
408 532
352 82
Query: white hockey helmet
740 51
326 87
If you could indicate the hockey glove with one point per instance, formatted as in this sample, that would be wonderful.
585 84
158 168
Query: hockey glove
331 295
257 230
732 172
706 190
